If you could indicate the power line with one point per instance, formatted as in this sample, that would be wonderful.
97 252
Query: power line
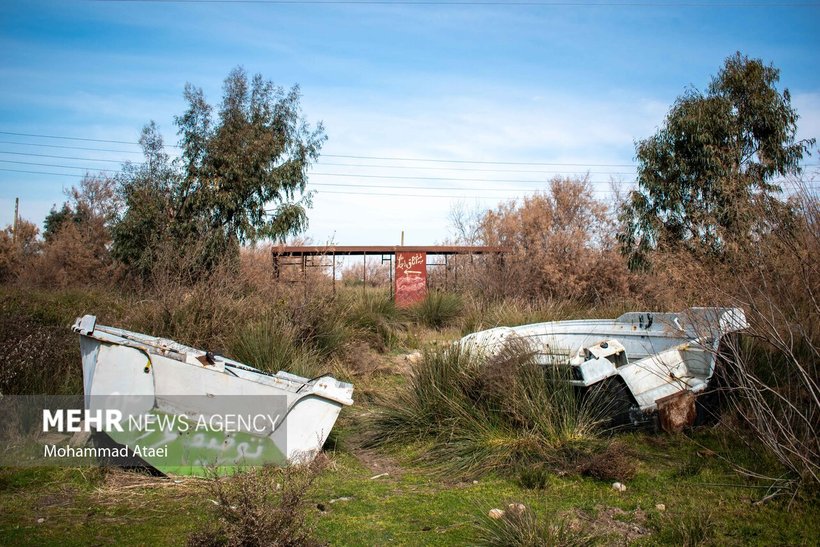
384 158
39 145
349 175
64 138
343 185
456 3
361 157
353 185
64 157
405 195
384 194
58 165
400 177
364 165
429 187
320 163
38 172
480 162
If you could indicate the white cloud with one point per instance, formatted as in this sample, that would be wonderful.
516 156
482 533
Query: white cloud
497 125
808 107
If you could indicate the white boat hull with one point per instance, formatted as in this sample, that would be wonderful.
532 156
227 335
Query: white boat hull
139 374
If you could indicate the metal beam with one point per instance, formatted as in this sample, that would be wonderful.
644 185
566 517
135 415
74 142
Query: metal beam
364 250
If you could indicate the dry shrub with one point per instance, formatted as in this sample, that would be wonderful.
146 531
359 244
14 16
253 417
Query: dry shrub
373 273
256 267
258 271
775 385
8 256
200 308
771 372
77 255
37 358
262 506
18 252
615 462
560 243
77 238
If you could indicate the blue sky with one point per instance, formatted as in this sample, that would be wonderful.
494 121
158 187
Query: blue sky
571 85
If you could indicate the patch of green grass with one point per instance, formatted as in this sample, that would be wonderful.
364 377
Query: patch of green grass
69 506
438 309
412 506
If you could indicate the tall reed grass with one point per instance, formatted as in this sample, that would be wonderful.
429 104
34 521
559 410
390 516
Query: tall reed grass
438 309
481 416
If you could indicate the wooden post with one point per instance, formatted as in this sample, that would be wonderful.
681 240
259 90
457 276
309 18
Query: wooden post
16 216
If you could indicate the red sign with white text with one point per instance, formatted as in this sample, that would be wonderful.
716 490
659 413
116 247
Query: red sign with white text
411 277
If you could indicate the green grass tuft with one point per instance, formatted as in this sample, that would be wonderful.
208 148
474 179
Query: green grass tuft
272 344
480 417
519 526
438 309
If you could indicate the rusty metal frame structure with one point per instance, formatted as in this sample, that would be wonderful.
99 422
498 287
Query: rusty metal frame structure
287 255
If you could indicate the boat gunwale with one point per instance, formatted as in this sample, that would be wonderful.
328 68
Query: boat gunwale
291 385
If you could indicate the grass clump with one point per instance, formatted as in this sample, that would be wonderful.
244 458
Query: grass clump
438 309
272 344
376 320
511 312
261 506
519 526
481 416
686 528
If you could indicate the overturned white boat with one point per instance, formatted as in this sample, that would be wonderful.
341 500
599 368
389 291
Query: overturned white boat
652 361
182 409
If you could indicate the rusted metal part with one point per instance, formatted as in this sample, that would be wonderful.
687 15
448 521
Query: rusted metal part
677 411
314 256
411 277
360 250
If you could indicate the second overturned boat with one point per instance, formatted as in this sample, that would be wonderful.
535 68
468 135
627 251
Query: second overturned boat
645 358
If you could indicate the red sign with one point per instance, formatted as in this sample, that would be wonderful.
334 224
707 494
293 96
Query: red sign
411 277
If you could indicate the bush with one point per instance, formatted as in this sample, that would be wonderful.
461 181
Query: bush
262 506
38 358
615 463
560 244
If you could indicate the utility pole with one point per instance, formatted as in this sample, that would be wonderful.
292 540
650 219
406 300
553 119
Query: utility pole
16 215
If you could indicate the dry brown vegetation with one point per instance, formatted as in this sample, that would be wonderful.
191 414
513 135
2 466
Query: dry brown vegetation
562 263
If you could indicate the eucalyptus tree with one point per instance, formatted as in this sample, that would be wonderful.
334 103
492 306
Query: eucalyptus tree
241 175
708 179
